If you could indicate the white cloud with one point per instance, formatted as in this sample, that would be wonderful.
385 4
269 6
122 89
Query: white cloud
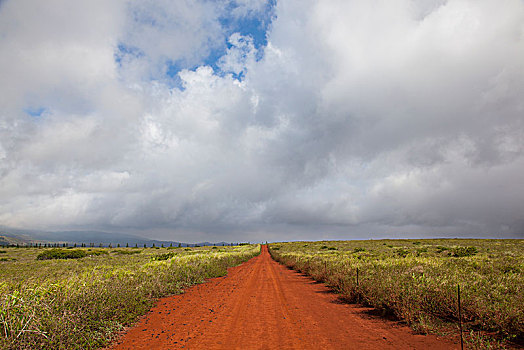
249 8
240 56
360 117
159 33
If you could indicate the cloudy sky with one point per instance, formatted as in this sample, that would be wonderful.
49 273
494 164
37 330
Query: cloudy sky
260 120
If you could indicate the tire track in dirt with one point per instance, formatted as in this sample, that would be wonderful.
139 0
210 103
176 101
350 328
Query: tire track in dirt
263 305
237 318
287 315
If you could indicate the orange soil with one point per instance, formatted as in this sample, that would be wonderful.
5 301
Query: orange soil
263 305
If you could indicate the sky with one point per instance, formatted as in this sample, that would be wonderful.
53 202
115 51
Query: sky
253 120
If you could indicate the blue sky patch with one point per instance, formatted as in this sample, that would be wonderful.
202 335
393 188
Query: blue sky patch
254 24
124 50
35 112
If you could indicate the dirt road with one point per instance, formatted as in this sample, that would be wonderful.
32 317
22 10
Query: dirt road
263 305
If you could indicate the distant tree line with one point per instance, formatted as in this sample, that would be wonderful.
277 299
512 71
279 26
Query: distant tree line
99 245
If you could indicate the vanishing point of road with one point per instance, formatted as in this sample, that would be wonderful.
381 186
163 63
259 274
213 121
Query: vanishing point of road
264 305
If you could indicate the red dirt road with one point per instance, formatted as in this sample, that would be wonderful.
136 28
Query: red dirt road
263 305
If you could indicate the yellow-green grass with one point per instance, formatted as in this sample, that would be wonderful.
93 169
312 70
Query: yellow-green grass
83 303
416 280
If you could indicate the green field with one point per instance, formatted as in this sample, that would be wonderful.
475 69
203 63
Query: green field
80 298
416 280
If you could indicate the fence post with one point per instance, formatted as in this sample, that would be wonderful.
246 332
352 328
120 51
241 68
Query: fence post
460 318
358 291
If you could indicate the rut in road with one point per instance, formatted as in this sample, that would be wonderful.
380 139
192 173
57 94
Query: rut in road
263 305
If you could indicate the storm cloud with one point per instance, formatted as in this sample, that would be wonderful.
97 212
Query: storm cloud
255 120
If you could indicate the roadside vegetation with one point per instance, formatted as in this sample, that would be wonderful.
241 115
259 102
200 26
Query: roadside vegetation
81 298
416 281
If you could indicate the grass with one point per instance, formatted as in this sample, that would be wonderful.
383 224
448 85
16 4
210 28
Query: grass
417 281
82 303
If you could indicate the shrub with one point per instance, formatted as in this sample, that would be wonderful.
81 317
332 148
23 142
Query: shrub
463 251
164 256
421 250
402 252
128 252
97 252
58 253
441 249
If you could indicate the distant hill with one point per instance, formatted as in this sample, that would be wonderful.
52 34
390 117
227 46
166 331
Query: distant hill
9 239
96 237
10 236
